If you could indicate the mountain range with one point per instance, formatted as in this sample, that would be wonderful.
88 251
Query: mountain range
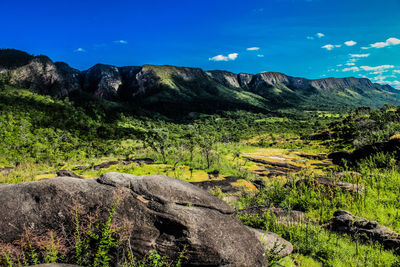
168 89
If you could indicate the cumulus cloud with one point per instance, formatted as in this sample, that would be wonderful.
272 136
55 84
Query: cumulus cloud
377 68
359 55
350 64
353 69
254 48
396 71
350 43
318 35
120 42
80 49
229 57
330 46
260 55
389 42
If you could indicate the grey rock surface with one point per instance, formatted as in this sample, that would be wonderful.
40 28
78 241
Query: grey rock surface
163 213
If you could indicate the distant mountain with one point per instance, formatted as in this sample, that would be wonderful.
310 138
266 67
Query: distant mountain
169 89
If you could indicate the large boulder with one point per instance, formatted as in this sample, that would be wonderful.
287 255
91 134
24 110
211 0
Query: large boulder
161 213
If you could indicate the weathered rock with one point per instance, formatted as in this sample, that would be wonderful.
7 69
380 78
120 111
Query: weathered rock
67 173
162 213
390 147
344 222
282 216
328 182
352 174
108 164
340 156
275 164
225 185
273 243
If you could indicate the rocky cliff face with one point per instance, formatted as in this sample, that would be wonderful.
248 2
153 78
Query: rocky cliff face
43 76
156 84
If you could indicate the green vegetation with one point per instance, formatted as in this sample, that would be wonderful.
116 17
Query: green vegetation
41 135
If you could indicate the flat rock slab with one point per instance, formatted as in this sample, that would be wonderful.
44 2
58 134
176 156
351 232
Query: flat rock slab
225 185
162 213
275 164
328 182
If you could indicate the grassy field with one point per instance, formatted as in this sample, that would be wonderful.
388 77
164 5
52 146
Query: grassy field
43 137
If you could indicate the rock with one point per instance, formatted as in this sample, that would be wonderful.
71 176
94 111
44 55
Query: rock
66 173
225 185
328 182
353 174
144 161
312 156
338 157
259 184
158 213
362 153
103 81
275 164
344 222
273 243
282 216
108 164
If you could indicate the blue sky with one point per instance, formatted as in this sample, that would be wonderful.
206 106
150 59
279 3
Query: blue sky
306 38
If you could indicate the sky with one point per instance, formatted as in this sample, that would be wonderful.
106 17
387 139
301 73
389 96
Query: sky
303 38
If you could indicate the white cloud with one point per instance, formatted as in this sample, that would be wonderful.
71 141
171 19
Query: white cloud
377 68
121 42
350 64
255 48
395 84
318 35
396 71
359 55
232 56
353 69
339 65
80 49
260 55
328 47
350 43
389 42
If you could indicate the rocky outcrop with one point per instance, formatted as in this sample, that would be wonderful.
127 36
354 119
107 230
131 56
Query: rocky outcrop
162 84
331 183
157 212
102 80
43 76
362 153
283 216
344 222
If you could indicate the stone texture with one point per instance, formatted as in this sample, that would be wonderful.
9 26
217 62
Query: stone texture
344 222
165 214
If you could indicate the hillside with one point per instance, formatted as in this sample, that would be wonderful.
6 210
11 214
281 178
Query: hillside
180 90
